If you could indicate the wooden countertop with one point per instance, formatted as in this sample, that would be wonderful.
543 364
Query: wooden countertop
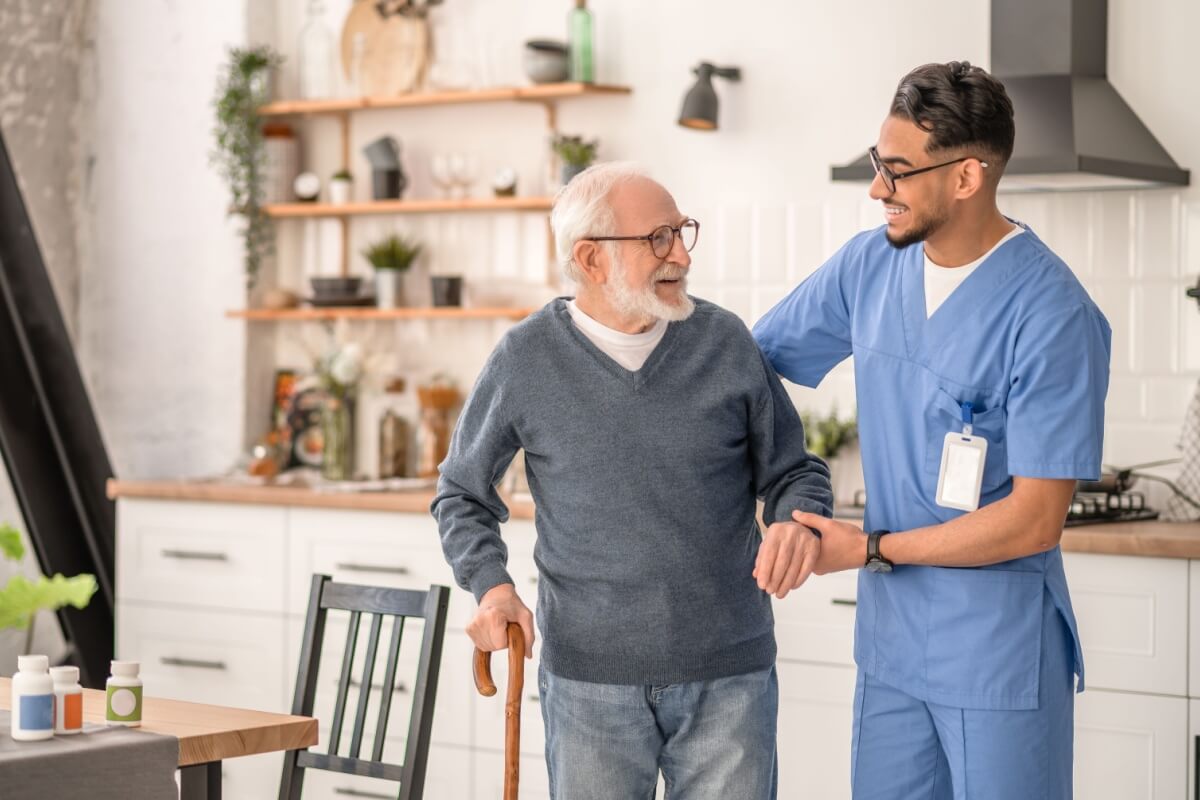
1154 538
411 502
205 733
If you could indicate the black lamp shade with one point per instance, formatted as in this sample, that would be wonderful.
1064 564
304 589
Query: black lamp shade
700 104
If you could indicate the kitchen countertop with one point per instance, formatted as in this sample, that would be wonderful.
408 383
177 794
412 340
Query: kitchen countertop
1153 538
410 502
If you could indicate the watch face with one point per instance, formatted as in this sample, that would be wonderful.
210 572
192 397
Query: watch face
878 565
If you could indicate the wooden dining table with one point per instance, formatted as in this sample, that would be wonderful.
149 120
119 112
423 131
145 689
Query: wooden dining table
207 734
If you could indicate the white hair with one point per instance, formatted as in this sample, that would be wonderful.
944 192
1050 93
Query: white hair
582 209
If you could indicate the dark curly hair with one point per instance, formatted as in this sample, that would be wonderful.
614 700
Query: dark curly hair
962 107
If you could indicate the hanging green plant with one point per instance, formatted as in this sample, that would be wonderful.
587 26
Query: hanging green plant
239 151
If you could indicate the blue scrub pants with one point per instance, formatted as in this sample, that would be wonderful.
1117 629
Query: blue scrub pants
908 749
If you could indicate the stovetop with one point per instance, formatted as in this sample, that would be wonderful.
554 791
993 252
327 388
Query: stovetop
1089 508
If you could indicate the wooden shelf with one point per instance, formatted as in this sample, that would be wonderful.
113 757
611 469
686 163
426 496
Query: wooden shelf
542 93
477 204
368 313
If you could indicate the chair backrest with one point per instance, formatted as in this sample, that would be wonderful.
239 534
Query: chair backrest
377 602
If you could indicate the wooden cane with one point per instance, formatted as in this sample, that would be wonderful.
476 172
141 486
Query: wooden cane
512 706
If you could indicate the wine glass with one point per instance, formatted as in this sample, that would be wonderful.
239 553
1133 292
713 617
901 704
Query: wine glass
442 174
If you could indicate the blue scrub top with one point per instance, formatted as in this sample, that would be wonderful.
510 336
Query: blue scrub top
1023 342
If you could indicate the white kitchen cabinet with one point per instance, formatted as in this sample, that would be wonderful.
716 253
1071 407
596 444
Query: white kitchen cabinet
816 705
816 621
1133 621
1130 746
201 554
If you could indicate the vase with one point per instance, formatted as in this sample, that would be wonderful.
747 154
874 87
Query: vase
337 432
569 171
389 288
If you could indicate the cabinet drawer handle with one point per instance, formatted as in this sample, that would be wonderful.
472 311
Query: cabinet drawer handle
533 698
173 661
194 555
843 601
348 792
383 570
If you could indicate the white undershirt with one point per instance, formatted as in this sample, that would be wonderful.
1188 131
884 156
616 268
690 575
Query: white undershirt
940 282
630 350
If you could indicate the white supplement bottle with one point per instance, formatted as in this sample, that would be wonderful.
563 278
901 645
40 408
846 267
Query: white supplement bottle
32 700
68 700
124 689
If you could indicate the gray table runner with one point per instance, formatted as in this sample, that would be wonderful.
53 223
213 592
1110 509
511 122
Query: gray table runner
101 763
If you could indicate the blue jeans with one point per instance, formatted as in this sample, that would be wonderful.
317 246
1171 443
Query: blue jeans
712 740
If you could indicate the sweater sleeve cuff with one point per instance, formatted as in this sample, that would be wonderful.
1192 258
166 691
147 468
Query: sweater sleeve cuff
487 578
782 512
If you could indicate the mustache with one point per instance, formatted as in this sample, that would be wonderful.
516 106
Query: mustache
669 273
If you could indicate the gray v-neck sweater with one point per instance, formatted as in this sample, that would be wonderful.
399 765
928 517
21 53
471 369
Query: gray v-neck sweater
645 485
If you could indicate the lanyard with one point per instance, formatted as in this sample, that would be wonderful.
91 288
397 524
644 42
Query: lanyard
968 417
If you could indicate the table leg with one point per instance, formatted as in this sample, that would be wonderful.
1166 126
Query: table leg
200 781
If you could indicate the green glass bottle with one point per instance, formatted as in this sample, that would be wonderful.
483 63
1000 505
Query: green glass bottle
579 24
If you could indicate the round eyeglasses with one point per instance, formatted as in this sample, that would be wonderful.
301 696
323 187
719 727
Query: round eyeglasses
661 239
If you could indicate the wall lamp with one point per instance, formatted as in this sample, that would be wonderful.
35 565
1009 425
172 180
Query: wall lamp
700 103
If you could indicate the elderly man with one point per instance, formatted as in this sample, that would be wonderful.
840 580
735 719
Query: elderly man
650 423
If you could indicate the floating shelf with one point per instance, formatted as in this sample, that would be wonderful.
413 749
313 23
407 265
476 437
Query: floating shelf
542 93
284 210
366 313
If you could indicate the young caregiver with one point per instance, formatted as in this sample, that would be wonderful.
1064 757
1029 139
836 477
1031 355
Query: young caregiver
981 368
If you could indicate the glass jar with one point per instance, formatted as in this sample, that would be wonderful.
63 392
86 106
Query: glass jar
337 432
316 52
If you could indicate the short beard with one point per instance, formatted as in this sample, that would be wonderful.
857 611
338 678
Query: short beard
925 228
644 305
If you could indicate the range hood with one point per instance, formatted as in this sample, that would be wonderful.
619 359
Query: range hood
1074 132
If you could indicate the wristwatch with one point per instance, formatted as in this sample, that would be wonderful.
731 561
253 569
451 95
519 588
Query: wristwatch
875 561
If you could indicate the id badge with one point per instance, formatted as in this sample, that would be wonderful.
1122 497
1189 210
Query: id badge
961 475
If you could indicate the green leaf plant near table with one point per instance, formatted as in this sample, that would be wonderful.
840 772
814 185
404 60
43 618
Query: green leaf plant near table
21 598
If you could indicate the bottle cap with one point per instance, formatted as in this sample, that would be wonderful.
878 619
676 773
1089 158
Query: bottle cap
33 663
125 669
65 674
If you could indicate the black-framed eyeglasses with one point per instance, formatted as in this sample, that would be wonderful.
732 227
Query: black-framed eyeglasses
661 239
890 177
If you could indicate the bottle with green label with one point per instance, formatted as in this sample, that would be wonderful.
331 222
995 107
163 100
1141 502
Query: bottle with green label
124 695
579 25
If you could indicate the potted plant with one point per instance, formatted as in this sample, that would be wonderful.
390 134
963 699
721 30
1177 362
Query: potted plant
21 598
339 370
826 437
391 258
576 154
239 151
340 187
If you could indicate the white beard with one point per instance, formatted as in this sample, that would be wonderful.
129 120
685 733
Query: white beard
644 304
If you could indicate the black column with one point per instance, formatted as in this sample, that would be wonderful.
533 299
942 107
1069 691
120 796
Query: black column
49 438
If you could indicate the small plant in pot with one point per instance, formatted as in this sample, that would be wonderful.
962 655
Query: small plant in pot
340 187
576 154
391 258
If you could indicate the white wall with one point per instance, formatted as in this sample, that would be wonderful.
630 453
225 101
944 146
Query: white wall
163 264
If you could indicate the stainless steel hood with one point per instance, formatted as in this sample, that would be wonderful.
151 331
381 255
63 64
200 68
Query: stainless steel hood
1074 132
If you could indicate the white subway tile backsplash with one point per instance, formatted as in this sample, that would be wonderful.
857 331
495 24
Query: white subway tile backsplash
1126 400
740 302
1127 445
769 241
1190 335
1113 235
1068 231
734 262
1167 398
1189 265
1116 302
1156 252
1155 321
806 244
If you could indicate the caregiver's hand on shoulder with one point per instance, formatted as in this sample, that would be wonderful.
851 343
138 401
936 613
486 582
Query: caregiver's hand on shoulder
498 607
843 546
786 558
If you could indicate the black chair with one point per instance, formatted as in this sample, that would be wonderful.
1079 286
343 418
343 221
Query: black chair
377 602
